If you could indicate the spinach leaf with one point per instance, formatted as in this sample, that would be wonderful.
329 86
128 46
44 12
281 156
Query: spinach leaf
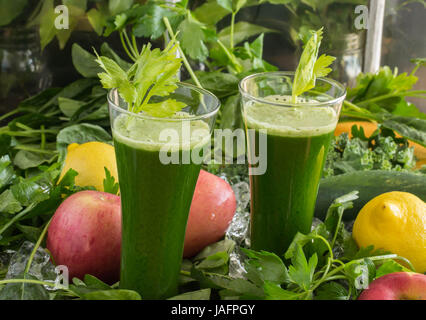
203 294
10 10
7 173
84 62
80 133
27 159
116 294
408 127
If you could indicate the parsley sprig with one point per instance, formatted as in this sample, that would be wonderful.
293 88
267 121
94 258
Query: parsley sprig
323 264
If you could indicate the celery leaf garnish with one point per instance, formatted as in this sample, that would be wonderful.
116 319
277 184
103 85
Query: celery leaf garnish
310 66
154 73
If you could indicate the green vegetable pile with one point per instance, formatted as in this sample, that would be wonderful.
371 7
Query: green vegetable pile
381 151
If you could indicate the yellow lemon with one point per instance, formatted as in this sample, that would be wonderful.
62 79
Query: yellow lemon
396 222
89 160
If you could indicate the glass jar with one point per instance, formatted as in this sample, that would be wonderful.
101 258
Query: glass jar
23 72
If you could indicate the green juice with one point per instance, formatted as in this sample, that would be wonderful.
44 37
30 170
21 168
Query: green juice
283 198
155 200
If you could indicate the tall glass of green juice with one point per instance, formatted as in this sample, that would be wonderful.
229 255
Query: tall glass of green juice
158 161
287 146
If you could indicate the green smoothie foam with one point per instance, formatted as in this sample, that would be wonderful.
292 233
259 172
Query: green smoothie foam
145 133
300 121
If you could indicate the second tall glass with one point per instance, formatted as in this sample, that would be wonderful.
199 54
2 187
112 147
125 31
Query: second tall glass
158 161
290 143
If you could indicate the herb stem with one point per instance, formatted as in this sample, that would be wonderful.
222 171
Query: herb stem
237 66
328 246
135 45
28 133
362 115
27 148
9 114
43 138
416 93
24 127
231 40
36 246
17 217
44 283
182 54
130 45
125 47
185 273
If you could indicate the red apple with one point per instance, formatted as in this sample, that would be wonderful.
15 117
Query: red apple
212 209
396 286
85 235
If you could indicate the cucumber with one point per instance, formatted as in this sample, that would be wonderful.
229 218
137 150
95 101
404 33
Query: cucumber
369 184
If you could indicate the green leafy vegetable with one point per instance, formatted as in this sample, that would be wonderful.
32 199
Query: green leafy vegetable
381 151
324 264
109 183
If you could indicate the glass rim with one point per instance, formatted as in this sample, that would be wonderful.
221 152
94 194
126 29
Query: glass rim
190 118
332 82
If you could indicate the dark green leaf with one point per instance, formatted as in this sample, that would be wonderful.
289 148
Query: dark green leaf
116 294
242 31
10 10
331 291
149 22
84 62
265 266
94 283
8 203
117 6
80 133
69 106
275 292
203 294
27 159
7 174
408 127
28 192
219 83
192 38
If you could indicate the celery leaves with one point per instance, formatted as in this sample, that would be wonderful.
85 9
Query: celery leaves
310 66
154 73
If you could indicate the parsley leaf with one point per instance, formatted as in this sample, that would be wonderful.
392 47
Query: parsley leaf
110 185
310 66
301 271
192 38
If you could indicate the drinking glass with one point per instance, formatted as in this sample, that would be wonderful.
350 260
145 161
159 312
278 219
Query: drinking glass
158 162
287 146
